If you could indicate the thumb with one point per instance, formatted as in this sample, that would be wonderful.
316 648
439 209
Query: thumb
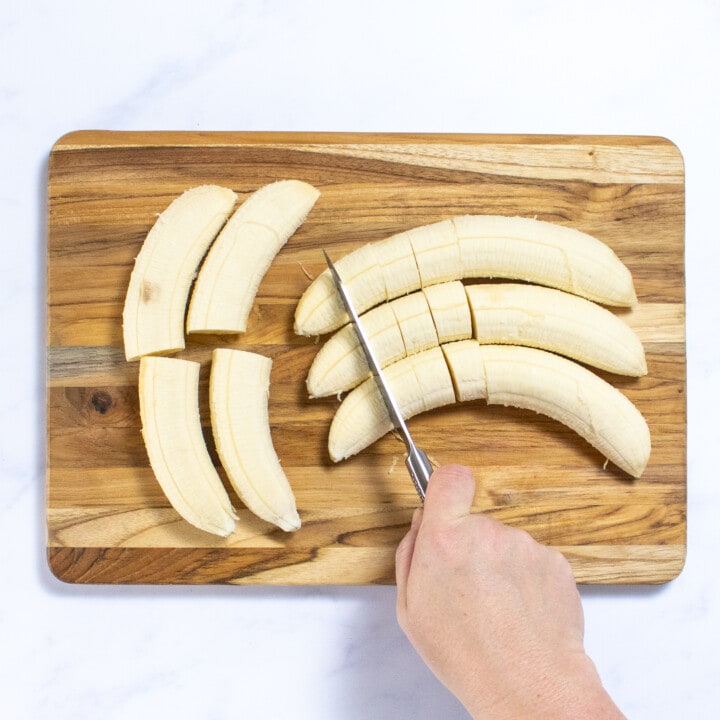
403 561
449 496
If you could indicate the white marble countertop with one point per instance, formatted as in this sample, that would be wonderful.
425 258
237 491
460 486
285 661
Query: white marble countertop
325 652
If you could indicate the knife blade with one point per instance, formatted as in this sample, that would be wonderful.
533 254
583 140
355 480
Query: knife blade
416 460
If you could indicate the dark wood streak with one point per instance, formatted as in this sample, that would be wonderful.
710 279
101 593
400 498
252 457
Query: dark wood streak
140 566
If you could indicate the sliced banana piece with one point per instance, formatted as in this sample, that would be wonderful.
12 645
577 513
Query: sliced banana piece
239 390
320 305
573 395
516 314
171 429
154 311
437 253
507 375
470 246
230 276
521 248
340 363
450 311
419 383
412 314
396 329
395 257
465 361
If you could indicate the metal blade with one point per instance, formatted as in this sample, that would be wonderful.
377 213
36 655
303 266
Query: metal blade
417 461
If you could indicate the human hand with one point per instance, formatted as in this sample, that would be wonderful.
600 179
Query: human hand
495 615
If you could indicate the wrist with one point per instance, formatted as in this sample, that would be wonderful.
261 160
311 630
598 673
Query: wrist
573 692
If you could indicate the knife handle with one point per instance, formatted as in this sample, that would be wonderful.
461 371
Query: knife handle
420 470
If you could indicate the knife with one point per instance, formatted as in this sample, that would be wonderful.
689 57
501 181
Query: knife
416 461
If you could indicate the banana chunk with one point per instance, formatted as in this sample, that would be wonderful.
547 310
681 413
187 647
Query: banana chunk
464 359
419 383
437 253
239 390
396 259
515 314
569 393
412 314
168 389
340 363
154 311
230 276
471 246
521 248
450 311
507 375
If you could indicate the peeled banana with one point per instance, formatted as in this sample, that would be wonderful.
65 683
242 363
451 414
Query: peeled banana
171 429
154 311
516 314
503 313
238 260
507 375
239 387
470 246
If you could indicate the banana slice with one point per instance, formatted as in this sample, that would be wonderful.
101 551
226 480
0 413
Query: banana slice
450 311
413 317
419 383
510 313
363 274
506 375
171 429
465 362
437 253
238 260
239 387
154 311
396 259
468 247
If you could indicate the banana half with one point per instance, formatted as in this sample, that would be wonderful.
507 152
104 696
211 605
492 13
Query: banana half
501 374
230 276
507 313
171 429
239 390
470 246
154 311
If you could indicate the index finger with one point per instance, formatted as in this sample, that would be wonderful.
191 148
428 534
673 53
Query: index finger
449 496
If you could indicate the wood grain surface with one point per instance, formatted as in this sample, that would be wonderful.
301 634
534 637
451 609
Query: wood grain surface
107 519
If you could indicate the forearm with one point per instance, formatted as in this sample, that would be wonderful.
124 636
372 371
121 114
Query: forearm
576 694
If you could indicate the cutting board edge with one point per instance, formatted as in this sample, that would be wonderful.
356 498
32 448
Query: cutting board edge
97 138
133 566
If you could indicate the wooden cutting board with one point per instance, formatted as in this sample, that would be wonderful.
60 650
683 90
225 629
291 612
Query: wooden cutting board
108 521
